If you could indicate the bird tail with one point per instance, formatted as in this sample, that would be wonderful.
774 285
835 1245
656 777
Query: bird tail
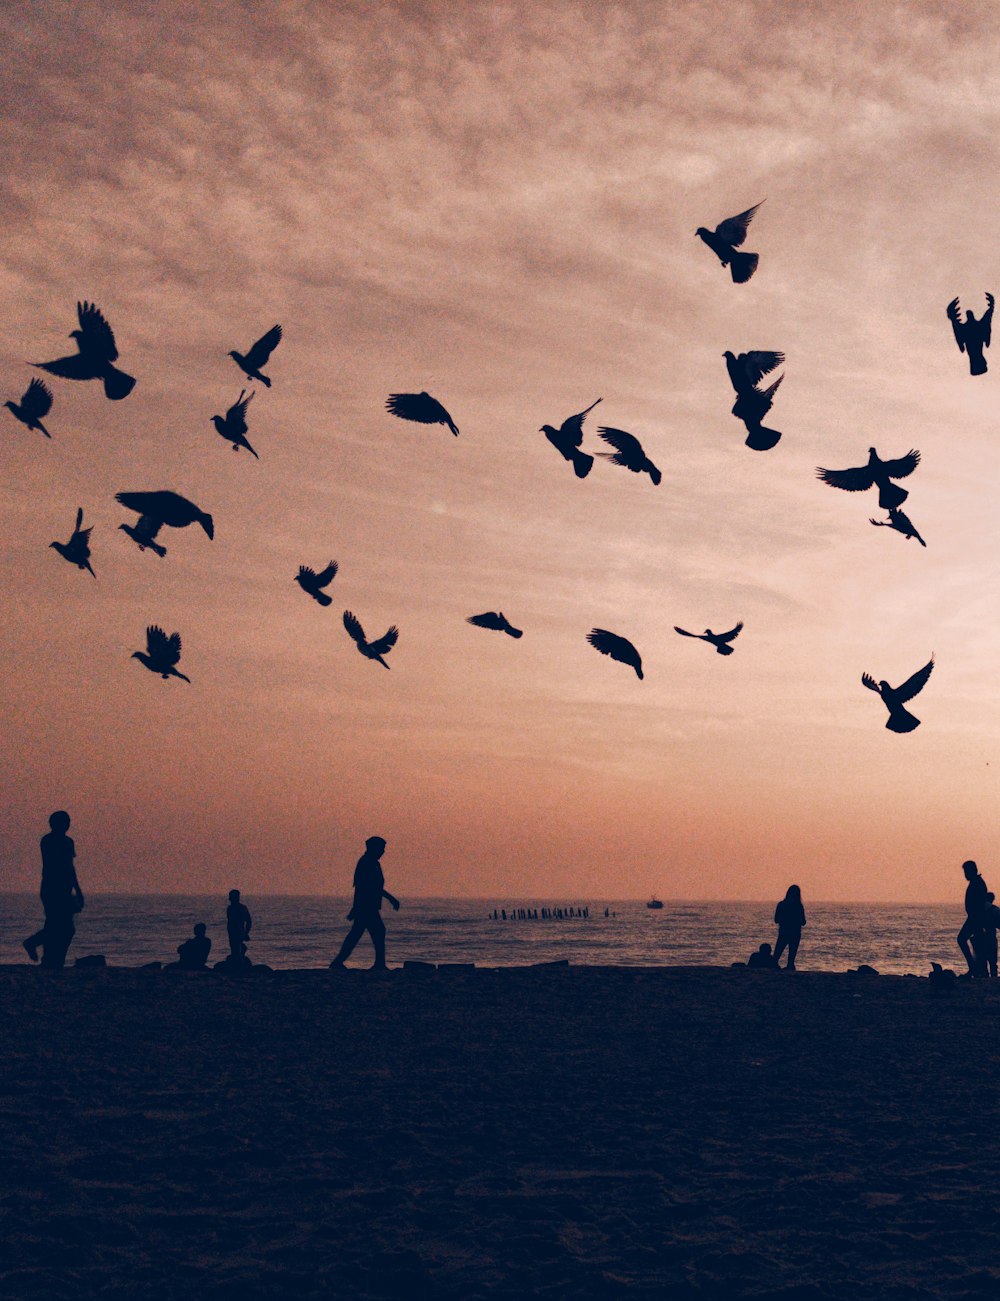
324 599
742 266
89 570
40 426
724 650
919 538
453 427
381 661
582 462
901 720
117 384
512 631
183 676
891 496
250 450
155 546
263 379
654 473
762 439
977 365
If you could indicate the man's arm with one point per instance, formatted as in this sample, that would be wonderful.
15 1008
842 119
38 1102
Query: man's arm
392 899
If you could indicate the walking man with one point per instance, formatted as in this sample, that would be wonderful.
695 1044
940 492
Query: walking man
976 904
369 891
61 896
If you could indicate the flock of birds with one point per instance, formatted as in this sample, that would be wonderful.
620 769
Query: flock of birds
97 352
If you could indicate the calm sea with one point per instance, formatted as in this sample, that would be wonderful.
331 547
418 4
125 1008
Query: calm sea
305 931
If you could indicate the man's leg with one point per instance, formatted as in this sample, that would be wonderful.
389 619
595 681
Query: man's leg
793 948
32 942
352 937
59 932
376 929
963 938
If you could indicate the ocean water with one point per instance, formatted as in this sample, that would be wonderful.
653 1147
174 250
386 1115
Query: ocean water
306 931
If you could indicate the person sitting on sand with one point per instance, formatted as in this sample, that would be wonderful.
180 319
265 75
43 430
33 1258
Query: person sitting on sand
975 910
61 895
192 954
238 923
369 891
763 957
790 918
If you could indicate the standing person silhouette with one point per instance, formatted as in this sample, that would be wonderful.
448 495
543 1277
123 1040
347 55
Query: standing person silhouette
369 891
61 896
238 923
976 904
790 917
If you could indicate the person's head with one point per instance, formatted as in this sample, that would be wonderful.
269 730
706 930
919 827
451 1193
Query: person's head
375 846
59 822
765 950
968 867
199 930
793 894
234 896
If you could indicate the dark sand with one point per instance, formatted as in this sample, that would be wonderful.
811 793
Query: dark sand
561 1133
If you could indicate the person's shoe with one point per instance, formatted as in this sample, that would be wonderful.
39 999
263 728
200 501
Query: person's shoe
30 950
378 966
337 965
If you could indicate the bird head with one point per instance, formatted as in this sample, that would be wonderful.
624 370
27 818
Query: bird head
700 232
57 545
218 422
11 407
547 429
138 655
233 353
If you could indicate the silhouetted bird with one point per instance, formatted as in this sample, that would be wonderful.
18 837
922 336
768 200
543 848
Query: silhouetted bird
158 508
77 549
373 650
233 425
726 239
258 355
894 698
567 439
96 351
876 472
37 402
752 404
498 622
313 583
619 648
720 640
972 336
901 523
628 452
161 654
420 407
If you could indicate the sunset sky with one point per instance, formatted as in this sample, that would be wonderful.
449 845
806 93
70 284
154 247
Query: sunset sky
497 204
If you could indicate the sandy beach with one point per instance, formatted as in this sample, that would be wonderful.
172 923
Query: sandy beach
518 1133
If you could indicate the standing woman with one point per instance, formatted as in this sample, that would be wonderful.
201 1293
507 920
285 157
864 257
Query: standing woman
790 917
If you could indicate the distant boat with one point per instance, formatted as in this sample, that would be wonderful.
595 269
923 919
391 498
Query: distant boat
655 903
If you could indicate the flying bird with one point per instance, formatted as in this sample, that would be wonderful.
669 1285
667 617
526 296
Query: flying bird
498 622
161 653
312 583
894 698
373 650
628 452
720 640
37 402
972 336
156 509
619 648
752 404
95 352
901 523
258 355
420 407
77 549
233 425
726 239
567 439
876 472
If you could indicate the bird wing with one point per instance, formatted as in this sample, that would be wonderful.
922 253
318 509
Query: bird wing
83 534
354 628
236 415
162 648
146 503
487 620
97 338
147 527
79 519
625 444
571 429
684 633
868 681
758 364
902 466
386 642
916 683
37 400
75 367
609 643
420 407
732 634
987 321
326 575
734 229
306 572
856 479
956 323
263 348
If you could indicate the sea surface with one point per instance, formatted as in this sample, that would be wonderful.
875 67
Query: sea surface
306 931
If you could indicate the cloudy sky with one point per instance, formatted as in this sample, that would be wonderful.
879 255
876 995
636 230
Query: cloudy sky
497 204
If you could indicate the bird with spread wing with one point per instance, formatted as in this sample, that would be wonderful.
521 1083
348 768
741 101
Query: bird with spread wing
420 407
901 523
37 402
312 583
875 474
972 336
77 549
257 357
618 648
726 239
497 621
161 653
96 350
233 425
567 439
752 403
720 640
894 698
373 650
628 452
156 509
